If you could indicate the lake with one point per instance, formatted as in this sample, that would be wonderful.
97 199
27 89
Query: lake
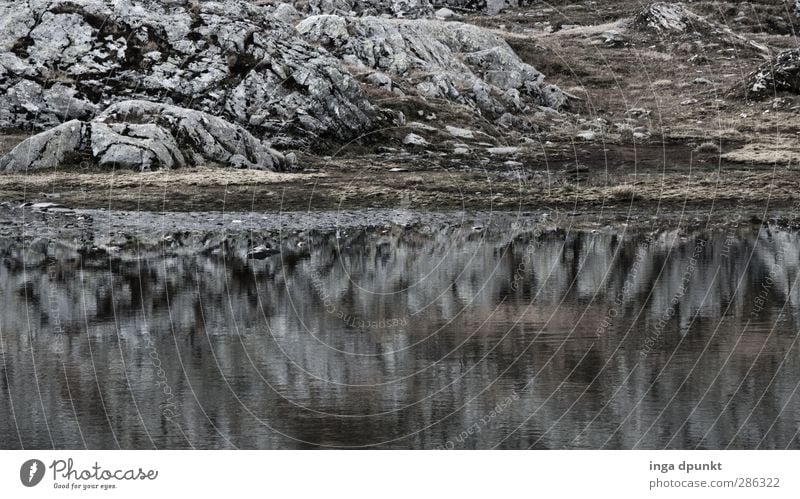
453 336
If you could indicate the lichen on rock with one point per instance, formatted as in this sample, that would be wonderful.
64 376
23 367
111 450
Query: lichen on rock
437 60
781 74
63 60
145 136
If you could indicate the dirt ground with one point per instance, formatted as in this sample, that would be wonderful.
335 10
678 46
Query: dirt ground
655 125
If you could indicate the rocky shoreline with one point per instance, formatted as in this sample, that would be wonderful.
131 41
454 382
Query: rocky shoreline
375 104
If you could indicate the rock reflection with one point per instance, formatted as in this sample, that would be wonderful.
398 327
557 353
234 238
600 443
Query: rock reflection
406 338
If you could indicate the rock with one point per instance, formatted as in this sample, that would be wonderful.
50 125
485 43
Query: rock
781 74
144 135
613 38
286 13
230 59
502 151
675 22
668 17
395 8
413 139
461 133
421 126
444 13
261 252
68 143
450 60
490 7
380 80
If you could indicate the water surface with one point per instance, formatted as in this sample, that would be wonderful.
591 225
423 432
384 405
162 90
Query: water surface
455 337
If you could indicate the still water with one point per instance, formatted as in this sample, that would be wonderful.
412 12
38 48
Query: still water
450 337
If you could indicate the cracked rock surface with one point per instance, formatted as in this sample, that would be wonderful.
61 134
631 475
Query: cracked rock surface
145 136
437 59
781 74
63 60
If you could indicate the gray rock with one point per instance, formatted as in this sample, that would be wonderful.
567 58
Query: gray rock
781 74
490 7
502 151
668 17
414 140
231 59
613 38
287 13
396 8
449 60
144 135
461 133
444 13
68 143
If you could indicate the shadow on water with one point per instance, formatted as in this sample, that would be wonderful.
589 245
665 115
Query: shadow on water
452 338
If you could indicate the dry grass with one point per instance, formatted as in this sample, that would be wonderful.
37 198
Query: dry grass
707 147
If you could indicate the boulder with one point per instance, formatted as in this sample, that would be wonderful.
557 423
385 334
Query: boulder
62 60
490 7
781 74
145 136
396 8
665 17
674 23
437 60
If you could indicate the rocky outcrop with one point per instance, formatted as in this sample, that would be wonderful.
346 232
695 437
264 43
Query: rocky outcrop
665 17
398 8
675 23
490 7
782 74
62 60
436 60
144 135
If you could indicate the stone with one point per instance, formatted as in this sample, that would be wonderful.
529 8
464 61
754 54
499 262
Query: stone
451 61
231 59
461 133
261 252
414 140
490 7
287 13
395 8
444 13
502 151
145 136
668 17
613 38
781 74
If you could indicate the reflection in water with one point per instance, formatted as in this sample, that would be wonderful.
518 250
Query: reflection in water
456 338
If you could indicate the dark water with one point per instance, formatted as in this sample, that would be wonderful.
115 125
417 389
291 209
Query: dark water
453 338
